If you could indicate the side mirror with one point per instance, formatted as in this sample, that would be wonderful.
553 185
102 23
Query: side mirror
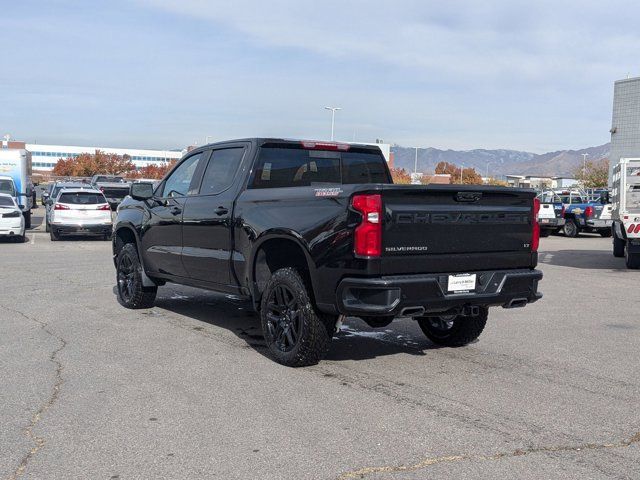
141 191
21 207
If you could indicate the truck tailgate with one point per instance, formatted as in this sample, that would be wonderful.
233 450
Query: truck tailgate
464 227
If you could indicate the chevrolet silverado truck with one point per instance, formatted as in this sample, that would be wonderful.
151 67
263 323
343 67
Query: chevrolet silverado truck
582 214
113 187
311 232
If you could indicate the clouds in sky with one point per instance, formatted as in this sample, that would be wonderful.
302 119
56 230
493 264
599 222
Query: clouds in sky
527 75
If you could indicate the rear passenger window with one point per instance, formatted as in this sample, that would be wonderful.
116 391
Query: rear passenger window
362 168
221 170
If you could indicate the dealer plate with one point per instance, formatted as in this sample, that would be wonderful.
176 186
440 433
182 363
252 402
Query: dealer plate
544 220
461 283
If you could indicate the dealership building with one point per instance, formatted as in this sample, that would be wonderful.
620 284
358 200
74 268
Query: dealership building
45 157
625 121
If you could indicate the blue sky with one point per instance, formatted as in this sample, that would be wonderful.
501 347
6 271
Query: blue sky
534 76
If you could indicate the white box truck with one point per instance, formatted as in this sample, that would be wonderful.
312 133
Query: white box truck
15 179
625 203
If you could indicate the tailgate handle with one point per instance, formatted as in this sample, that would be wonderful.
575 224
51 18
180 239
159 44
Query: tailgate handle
468 197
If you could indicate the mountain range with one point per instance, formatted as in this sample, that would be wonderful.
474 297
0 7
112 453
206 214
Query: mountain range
498 163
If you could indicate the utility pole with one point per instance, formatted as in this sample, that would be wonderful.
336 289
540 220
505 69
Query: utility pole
333 117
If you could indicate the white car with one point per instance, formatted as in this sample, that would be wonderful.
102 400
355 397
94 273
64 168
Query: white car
12 223
79 211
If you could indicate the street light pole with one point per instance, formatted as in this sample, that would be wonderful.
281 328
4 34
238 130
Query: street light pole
584 167
415 166
461 169
333 117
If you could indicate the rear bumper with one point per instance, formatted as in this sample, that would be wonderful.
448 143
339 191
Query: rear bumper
402 295
551 222
90 229
599 223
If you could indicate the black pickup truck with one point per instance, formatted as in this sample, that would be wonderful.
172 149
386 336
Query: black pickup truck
113 187
311 232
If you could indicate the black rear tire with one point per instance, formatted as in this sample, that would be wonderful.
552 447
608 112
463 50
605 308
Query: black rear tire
571 228
27 219
632 260
131 291
453 330
618 246
296 334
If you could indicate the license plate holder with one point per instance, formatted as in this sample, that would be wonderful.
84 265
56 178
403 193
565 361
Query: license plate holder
461 283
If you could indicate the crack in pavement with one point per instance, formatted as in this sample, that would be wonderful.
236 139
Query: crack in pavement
427 462
55 392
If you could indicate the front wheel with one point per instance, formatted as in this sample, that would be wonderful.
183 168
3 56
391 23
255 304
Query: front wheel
571 229
453 330
131 291
296 334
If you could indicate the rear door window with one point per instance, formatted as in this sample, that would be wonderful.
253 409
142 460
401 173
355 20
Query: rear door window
81 198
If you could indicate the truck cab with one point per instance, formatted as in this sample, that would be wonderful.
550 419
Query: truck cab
15 175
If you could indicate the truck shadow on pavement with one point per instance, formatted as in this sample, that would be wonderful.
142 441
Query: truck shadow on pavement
355 341
587 259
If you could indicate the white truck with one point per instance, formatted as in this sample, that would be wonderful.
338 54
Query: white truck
15 179
625 202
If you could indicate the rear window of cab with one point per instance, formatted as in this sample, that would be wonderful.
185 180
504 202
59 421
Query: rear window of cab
293 166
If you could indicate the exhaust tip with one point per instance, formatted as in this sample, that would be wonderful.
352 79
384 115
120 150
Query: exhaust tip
516 303
412 311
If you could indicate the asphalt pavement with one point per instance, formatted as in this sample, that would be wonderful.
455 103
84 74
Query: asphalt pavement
185 389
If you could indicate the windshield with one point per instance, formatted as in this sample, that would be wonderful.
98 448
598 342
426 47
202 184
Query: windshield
6 202
81 198
6 186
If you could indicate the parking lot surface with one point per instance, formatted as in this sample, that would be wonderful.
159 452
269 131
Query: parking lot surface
185 389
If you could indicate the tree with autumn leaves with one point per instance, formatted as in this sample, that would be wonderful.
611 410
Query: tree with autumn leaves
469 175
88 164
593 174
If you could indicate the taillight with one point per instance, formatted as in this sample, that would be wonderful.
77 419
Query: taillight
368 235
60 206
104 207
535 240
637 229
588 212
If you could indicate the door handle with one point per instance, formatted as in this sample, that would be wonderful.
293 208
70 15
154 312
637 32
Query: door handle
221 211
175 210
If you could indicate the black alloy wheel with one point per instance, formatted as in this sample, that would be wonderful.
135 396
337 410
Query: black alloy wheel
131 291
284 318
296 333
